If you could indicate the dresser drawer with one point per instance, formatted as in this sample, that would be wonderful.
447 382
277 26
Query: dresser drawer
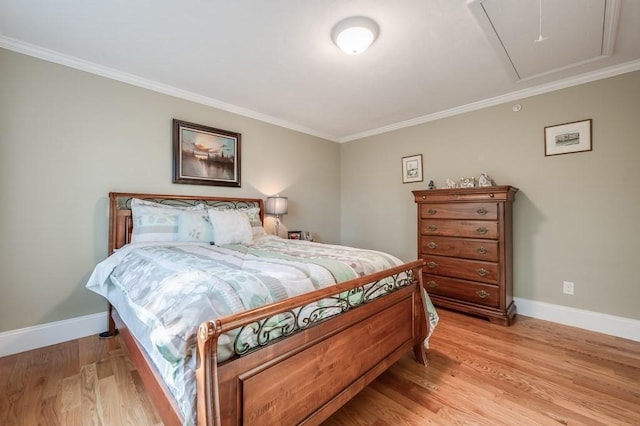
460 247
483 294
460 228
474 270
486 211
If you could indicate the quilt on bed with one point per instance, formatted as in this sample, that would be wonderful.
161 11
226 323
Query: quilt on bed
187 283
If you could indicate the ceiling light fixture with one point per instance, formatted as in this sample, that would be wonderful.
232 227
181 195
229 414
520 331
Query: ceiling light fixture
354 35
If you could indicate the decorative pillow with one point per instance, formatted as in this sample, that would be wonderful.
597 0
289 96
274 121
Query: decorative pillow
254 219
153 222
194 225
253 213
230 227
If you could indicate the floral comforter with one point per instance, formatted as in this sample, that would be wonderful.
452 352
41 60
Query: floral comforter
163 291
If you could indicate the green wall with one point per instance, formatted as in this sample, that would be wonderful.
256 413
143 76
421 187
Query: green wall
576 215
68 138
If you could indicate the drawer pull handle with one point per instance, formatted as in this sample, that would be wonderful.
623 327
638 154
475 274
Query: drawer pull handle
432 284
432 245
482 272
432 228
482 294
432 265
482 211
482 230
482 250
432 211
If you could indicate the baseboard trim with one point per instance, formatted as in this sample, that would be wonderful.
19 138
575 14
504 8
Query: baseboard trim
26 339
626 328
39 336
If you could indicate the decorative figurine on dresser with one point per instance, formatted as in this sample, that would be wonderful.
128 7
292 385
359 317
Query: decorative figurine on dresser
465 240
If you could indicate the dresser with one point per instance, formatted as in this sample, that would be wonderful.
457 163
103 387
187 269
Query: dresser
465 240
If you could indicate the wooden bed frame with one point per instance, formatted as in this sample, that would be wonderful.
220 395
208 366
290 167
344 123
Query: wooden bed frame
326 364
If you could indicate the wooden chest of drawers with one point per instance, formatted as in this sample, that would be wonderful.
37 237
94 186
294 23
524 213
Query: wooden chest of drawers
464 237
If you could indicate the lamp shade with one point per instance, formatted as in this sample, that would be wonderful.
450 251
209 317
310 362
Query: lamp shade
277 205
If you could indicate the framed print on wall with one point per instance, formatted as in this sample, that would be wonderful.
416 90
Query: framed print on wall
412 168
567 138
205 156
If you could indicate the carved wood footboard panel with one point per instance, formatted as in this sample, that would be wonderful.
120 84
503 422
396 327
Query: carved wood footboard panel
307 376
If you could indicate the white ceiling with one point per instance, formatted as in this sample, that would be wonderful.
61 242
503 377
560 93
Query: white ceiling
274 60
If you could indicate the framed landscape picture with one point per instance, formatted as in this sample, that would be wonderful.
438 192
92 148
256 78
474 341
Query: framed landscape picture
567 138
205 156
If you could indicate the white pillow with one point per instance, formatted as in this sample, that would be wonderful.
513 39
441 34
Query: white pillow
253 213
230 227
194 225
154 222
254 219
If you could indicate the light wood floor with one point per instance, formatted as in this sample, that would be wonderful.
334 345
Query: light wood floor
532 373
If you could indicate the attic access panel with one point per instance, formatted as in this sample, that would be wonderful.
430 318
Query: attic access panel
575 32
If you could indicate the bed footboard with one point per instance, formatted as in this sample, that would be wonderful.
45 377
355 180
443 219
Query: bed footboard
306 377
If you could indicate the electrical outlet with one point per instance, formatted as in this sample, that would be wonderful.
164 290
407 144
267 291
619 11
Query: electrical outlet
567 287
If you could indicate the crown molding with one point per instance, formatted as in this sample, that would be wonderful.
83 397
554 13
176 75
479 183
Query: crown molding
134 80
509 97
90 67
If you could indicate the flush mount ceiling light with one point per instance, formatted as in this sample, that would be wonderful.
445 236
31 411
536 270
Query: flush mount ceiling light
354 35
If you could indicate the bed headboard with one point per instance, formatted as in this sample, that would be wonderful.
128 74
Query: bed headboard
121 223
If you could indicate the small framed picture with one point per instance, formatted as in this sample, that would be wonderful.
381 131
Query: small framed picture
295 235
412 169
567 138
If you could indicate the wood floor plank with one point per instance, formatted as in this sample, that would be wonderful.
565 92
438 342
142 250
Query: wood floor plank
48 412
91 402
532 373
146 407
71 393
389 412
111 401
122 369
15 391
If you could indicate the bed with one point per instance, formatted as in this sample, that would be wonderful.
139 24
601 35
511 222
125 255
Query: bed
293 360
